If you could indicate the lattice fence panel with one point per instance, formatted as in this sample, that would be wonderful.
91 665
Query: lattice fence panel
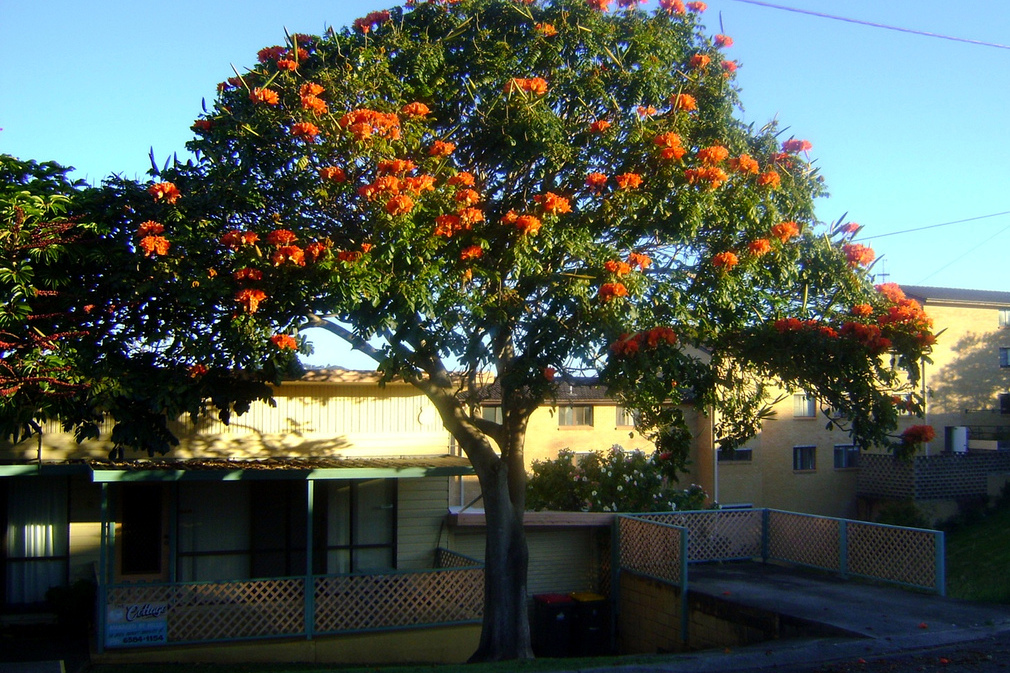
903 555
363 602
445 558
650 547
717 535
226 610
800 538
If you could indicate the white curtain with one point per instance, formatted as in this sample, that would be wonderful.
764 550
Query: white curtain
37 538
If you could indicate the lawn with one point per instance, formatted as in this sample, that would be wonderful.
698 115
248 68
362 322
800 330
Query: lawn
978 558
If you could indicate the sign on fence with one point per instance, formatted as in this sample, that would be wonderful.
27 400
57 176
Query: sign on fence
136 625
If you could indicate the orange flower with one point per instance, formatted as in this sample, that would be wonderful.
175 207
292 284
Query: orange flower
785 230
770 179
892 291
333 173
793 145
419 183
415 109
671 145
697 6
310 89
725 260
599 5
399 205
553 203
164 190
546 29
646 111
288 253
617 268
700 61
610 290
470 216
744 164
305 130
549 373
672 6
729 67
596 181
155 245
658 335
759 247
467 197
284 342
723 41
287 64
395 166
370 20
867 335
196 371
918 434
281 237
510 217
713 175
471 252
440 148
527 224
534 85
447 225
250 299
628 180
150 228
685 102
235 239
710 156
463 179
268 96
639 260
858 254
362 123
270 53
203 125
316 250
599 126
349 256
862 310
246 273
314 105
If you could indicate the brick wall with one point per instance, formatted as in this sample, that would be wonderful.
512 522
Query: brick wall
945 476
649 616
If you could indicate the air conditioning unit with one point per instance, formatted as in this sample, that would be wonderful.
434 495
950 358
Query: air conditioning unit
956 438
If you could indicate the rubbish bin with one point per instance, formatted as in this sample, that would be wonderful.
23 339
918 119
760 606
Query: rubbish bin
591 625
552 625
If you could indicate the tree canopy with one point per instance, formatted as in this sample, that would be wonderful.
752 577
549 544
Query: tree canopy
510 193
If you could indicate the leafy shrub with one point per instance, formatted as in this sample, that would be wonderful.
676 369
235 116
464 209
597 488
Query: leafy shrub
607 481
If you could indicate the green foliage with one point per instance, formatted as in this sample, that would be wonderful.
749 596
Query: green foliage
608 481
902 513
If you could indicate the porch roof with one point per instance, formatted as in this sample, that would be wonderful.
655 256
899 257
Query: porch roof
217 469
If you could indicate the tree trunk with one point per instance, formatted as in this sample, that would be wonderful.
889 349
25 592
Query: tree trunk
505 633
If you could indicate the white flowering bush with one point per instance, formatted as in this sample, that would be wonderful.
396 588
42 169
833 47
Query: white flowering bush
614 480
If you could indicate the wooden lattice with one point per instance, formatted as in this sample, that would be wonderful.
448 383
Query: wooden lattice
905 555
362 602
717 535
445 558
223 610
805 539
650 547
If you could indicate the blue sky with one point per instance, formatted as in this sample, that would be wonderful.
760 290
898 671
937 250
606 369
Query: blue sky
909 131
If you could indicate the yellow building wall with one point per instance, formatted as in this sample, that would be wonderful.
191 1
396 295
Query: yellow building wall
545 437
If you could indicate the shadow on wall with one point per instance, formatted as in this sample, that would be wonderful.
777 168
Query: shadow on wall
974 378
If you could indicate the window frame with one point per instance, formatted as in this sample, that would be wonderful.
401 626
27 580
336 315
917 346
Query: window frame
741 455
809 401
570 414
799 464
1004 357
1003 317
849 454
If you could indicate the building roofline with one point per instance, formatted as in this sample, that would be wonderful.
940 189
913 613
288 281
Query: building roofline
957 295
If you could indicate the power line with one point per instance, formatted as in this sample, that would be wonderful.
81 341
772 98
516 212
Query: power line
958 259
931 226
872 24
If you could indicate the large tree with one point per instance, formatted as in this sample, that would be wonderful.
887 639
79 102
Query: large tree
509 193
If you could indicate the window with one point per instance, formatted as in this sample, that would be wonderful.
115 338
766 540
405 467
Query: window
1004 357
491 412
626 417
804 458
36 535
1004 317
575 415
804 406
141 543
740 455
1004 403
355 526
846 456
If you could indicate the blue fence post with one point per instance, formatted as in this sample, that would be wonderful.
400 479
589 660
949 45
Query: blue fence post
615 579
843 548
941 563
685 611
310 584
765 534
103 577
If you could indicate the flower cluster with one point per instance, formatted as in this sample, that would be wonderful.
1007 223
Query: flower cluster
164 191
630 344
534 85
858 254
363 123
371 20
917 434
